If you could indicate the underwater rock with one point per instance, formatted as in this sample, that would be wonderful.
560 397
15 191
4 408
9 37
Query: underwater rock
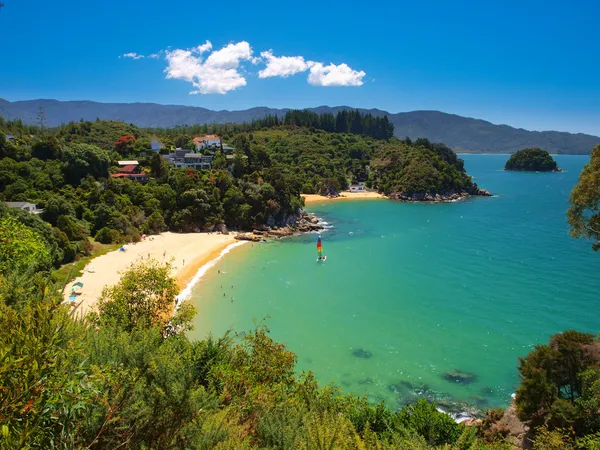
458 376
362 353
479 401
366 381
487 391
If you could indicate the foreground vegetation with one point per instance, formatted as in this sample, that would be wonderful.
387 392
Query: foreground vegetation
584 210
531 160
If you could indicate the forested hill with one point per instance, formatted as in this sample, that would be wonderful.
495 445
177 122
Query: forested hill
460 133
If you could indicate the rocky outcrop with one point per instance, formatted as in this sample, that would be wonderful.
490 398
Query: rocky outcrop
248 237
448 196
302 223
518 432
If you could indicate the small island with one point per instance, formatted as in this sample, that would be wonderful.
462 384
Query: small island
532 160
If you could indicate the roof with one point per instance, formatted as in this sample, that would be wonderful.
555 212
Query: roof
154 138
127 169
128 163
196 155
206 137
228 147
9 136
17 204
129 175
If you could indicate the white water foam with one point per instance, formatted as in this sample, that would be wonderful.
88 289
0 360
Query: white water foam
187 292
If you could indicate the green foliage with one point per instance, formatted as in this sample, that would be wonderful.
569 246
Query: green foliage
531 160
83 160
559 383
584 204
344 122
144 297
107 235
419 168
21 248
424 419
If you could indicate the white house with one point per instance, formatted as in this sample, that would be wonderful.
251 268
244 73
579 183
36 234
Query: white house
25 206
357 187
156 145
206 141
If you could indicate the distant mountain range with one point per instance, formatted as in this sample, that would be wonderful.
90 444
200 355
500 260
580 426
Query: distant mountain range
460 133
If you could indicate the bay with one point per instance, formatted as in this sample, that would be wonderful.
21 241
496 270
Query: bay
411 292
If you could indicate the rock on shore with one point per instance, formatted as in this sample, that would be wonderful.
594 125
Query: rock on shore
448 196
304 222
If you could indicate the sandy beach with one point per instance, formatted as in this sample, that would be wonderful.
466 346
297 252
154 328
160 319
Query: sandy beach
187 252
344 195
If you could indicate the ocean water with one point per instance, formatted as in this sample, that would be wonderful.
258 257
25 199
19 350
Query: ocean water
411 292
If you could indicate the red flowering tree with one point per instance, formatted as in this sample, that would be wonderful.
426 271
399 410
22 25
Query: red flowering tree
125 143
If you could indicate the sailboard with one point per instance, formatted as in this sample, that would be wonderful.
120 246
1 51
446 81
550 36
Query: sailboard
320 250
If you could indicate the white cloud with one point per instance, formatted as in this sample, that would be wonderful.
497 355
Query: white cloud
332 75
217 74
221 71
131 55
207 46
283 66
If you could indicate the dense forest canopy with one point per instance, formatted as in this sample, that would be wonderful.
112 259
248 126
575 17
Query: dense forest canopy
531 160
65 172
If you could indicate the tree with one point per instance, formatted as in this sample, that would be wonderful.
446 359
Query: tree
155 223
555 378
41 119
56 207
125 144
84 159
219 161
46 148
158 166
584 204
143 297
21 249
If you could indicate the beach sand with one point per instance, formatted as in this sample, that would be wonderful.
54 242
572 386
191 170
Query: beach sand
344 195
187 252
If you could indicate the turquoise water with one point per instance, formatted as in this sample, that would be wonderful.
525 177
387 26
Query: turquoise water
412 291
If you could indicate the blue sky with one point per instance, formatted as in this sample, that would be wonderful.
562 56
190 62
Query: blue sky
530 64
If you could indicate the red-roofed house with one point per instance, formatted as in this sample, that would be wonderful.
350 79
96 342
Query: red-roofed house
132 172
208 140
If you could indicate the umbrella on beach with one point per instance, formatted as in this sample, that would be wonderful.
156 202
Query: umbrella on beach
79 283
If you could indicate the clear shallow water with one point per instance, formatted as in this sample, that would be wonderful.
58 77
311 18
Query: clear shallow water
424 288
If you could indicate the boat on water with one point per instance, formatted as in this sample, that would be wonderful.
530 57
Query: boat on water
321 257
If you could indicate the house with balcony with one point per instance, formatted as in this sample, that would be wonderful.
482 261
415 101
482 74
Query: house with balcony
185 159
